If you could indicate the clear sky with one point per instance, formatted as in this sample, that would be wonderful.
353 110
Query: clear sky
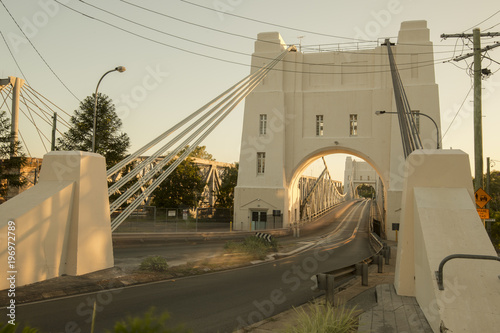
163 84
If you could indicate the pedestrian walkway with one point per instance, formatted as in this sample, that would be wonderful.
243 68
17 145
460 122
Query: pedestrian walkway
393 314
382 310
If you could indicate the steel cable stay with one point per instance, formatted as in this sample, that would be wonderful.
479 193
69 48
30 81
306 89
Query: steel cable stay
10 112
27 98
225 112
32 120
165 134
42 98
144 164
409 133
242 89
31 96
146 177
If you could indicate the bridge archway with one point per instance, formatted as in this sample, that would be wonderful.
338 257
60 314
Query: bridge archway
294 196
312 104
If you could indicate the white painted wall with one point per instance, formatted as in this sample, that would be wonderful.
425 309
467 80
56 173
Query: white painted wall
308 84
439 218
62 225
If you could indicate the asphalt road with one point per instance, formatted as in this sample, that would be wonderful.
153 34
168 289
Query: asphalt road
216 302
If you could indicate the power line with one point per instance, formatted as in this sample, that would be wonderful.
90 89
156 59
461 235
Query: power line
289 28
492 27
427 63
458 111
14 58
252 38
275 25
191 23
50 68
477 25
215 47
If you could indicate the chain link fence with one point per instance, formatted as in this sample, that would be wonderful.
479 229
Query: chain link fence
153 219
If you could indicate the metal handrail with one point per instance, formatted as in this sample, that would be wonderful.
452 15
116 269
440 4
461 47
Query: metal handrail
439 272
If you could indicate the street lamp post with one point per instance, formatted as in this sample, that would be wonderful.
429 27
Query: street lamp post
422 114
120 69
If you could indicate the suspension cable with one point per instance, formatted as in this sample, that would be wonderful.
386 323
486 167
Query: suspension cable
242 89
151 158
409 133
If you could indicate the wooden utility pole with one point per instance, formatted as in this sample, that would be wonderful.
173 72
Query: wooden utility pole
54 126
488 175
478 117
478 114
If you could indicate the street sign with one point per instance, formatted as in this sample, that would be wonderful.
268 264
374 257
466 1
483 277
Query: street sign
484 214
482 198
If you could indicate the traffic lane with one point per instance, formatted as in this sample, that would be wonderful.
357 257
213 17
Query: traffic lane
214 302
348 223
326 223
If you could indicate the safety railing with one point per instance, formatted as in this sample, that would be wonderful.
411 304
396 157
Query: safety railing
329 281
439 272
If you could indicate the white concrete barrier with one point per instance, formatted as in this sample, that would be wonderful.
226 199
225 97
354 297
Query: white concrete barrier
439 218
61 225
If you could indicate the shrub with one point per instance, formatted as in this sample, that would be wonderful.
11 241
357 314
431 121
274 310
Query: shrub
148 323
253 246
155 263
325 319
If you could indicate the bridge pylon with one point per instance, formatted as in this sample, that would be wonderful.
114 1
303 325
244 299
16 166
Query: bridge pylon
323 102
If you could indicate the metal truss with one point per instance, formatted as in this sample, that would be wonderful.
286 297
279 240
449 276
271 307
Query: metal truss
319 195
212 173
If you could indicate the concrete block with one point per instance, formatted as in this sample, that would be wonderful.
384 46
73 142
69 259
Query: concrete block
62 223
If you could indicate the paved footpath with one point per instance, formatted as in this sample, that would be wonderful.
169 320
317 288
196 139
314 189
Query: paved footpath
382 310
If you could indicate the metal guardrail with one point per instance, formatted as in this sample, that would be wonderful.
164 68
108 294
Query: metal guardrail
326 281
439 272
375 242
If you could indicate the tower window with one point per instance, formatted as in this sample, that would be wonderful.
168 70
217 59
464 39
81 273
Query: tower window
353 125
319 125
263 124
261 163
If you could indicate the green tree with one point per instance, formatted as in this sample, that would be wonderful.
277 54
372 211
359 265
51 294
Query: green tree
494 205
182 188
200 152
366 191
10 168
225 198
109 142
495 191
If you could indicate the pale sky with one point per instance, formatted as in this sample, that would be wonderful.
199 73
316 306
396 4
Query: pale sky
162 85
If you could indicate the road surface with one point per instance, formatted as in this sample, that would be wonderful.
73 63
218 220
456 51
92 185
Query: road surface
216 302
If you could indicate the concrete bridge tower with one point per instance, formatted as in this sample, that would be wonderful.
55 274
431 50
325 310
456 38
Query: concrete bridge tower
315 104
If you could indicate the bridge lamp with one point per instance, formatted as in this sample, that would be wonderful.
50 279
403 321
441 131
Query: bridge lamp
378 113
120 69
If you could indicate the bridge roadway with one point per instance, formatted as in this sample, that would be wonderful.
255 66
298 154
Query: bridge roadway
223 301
